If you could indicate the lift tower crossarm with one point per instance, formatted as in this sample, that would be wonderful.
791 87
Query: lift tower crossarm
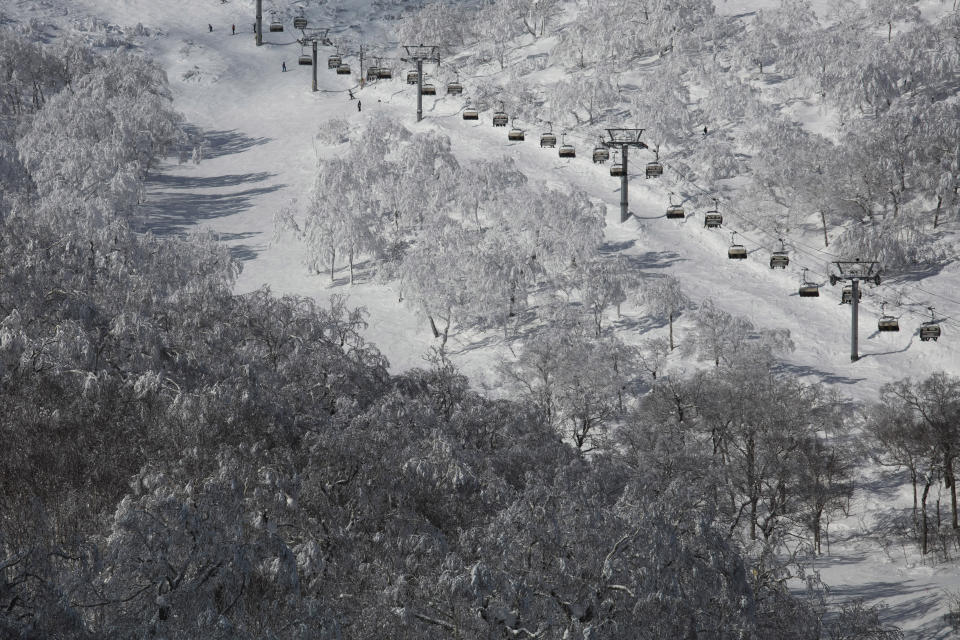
623 139
421 53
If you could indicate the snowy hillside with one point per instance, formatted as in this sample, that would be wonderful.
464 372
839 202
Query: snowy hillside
259 133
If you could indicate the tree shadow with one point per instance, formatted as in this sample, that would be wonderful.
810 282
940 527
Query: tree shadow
211 182
807 370
242 252
170 212
224 143
653 259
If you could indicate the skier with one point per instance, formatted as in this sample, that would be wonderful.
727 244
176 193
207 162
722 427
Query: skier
358 105
254 27
233 29
704 131
210 26
284 65
350 91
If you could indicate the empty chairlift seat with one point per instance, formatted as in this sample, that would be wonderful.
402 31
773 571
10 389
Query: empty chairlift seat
809 290
736 251
567 151
600 154
471 114
300 22
888 323
276 26
846 296
676 212
515 134
428 89
454 88
654 169
343 69
305 58
548 139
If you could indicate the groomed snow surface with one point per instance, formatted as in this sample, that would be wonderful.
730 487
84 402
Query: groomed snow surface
260 123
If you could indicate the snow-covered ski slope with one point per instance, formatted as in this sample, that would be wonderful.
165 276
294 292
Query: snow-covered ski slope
259 125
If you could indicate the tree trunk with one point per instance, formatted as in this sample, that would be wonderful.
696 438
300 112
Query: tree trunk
433 327
351 266
952 480
671 331
923 519
936 216
333 261
823 219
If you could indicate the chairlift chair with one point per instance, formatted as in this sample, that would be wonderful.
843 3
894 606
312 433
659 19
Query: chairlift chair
373 73
600 153
305 58
616 169
384 73
846 296
713 219
566 150
930 330
343 69
412 77
515 134
299 22
275 25
469 113
736 251
887 322
428 89
333 62
455 88
655 169
500 118
808 289
780 259
548 138
675 211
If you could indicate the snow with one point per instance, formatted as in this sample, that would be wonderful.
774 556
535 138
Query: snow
260 124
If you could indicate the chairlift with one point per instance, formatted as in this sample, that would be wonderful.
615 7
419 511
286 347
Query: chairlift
675 211
713 219
384 73
930 330
455 88
300 23
600 153
469 113
808 289
616 169
515 134
780 258
333 62
343 69
887 322
428 89
549 138
736 251
412 76
566 150
373 73
305 58
275 25
846 296
500 118
655 169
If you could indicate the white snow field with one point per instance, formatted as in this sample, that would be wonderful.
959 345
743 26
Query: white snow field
260 124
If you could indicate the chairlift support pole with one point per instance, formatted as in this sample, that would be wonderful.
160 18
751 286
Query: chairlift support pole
623 139
259 22
853 271
420 54
314 48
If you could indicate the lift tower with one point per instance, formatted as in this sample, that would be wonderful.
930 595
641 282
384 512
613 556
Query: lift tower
421 53
855 271
623 139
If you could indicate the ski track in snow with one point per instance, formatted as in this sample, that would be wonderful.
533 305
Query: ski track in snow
260 125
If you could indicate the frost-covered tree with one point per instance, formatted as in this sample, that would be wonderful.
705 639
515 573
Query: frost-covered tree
664 298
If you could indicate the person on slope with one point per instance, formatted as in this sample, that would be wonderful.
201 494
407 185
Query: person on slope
284 65
358 105
210 26
233 29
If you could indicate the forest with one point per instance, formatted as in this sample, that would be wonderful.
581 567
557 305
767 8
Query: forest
184 461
